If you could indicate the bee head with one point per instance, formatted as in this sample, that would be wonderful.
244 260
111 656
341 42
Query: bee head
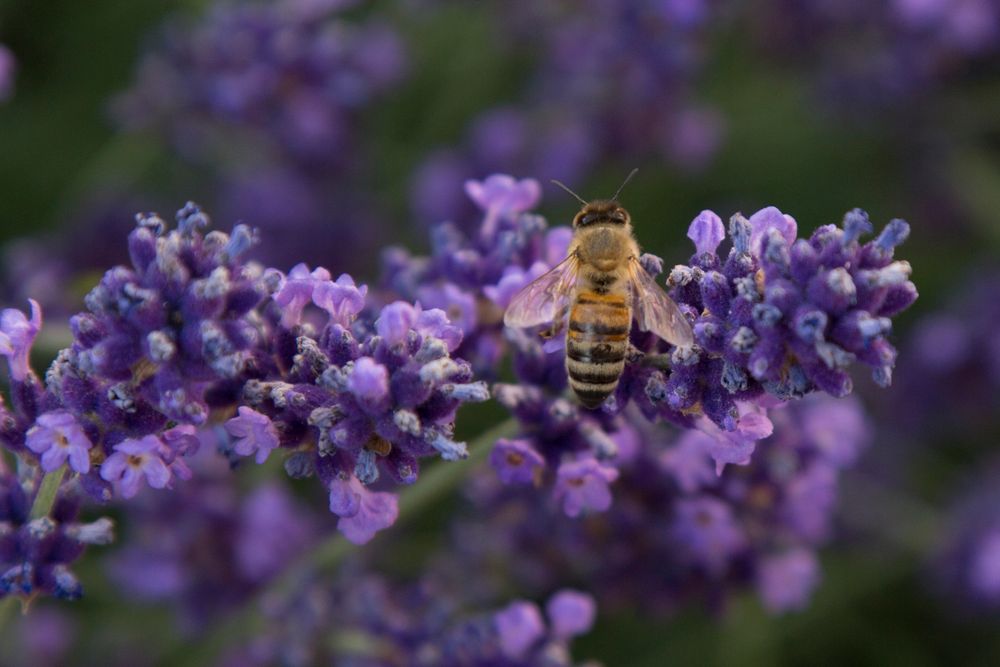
601 211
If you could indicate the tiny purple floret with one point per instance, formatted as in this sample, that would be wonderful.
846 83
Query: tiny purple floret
58 437
17 334
516 461
134 459
583 485
253 433
571 613
520 626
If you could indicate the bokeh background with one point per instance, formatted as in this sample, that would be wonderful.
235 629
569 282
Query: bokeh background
341 127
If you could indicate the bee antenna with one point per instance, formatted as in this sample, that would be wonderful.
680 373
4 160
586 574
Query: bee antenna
563 186
624 183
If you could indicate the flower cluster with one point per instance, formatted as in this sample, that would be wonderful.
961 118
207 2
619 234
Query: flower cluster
294 73
782 314
190 329
357 398
374 622
628 92
269 97
952 376
36 552
966 565
774 320
899 50
678 530
473 277
228 545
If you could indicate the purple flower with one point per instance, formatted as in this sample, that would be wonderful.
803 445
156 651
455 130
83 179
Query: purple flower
502 195
342 299
984 568
737 445
516 461
369 382
8 67
362 512
273 529
17 334
686 461
57 437
395 321
785 581
131 461
765 220
297 291
520 626
583 486
707 232
571 613
708 531
254 433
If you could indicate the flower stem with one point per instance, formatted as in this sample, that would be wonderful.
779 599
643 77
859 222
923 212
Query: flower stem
47 490
434 485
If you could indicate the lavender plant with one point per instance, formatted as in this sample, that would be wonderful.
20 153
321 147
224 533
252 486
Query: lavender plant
631 91
775 319
269 98
677 530
193 348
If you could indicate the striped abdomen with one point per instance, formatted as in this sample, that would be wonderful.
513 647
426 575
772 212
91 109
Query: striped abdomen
596 345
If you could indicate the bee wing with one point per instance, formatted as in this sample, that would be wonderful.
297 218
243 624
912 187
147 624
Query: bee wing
544 299
654 310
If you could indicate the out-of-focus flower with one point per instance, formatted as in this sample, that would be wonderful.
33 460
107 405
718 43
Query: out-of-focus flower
36 554
967 564
225 546
8 68
271 97
677 529
418 624
630 94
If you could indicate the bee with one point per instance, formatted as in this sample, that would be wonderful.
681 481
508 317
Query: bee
601 286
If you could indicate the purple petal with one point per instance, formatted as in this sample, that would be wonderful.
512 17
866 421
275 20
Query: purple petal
520 626
156 471
571 613
516 461
707 232
377 510
770 218
395 321
785 582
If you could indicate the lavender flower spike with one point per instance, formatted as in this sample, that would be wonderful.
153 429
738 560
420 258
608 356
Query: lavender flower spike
17 333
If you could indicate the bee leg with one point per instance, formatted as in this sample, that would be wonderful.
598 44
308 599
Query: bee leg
659 361
558 324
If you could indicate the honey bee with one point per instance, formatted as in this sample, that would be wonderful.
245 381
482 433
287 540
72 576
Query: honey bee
601 286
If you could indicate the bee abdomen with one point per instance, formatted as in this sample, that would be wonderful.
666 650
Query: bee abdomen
596 345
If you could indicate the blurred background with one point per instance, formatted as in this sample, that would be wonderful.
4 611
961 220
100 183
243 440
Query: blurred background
341 127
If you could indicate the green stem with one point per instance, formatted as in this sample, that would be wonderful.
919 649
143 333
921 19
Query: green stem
7 607
48 489
434 485
47 492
